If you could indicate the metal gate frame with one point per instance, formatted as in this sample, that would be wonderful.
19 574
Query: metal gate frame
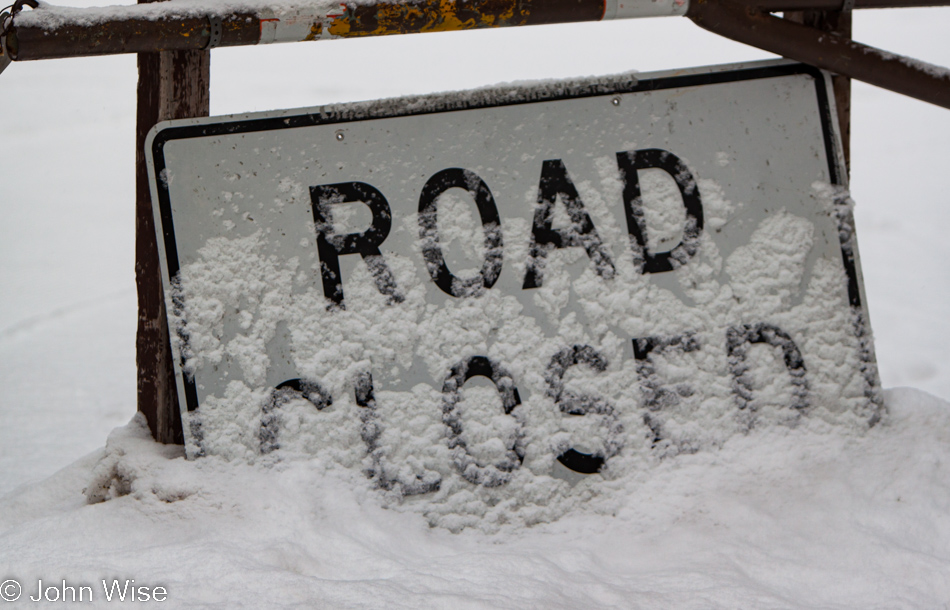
174 57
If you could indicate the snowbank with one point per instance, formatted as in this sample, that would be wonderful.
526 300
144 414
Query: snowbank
815 516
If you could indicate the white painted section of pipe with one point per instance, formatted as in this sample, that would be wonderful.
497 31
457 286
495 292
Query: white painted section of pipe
288 25
634 9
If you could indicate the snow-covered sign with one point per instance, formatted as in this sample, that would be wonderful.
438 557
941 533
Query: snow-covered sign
514 292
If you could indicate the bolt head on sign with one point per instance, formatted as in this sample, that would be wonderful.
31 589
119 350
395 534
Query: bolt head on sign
514 295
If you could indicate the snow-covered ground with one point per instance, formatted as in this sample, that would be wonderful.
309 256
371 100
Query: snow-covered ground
806 518
812 517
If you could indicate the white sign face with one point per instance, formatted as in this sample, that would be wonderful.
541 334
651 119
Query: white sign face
515 292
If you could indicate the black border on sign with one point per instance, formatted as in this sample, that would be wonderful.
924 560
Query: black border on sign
346 113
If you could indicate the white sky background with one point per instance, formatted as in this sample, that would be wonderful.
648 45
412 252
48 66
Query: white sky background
67 311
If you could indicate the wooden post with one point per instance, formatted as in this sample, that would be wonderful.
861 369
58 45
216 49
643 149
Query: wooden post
838 22
172 85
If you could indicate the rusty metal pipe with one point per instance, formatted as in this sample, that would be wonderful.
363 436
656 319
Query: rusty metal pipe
143 30
777 6
137 31
824 50
135 35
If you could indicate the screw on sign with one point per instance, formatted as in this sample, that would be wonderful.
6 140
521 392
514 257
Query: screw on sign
478 291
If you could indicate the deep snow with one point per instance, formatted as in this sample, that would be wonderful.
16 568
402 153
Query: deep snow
805 518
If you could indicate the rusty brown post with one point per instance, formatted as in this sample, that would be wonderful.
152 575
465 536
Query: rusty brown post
172 85
836 22
829 51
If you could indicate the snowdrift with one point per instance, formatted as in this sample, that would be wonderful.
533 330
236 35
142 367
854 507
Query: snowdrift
805 517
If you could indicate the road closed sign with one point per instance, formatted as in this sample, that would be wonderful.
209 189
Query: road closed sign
497 303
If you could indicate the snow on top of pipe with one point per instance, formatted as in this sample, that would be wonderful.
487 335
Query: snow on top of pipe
50 16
